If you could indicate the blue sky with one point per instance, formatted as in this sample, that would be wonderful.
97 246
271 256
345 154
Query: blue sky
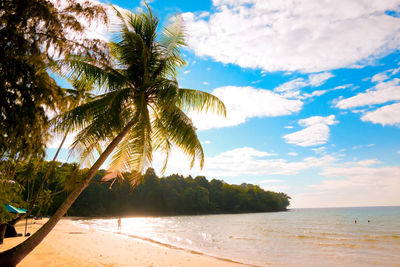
312 91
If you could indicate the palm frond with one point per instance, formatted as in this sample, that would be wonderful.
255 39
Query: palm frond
181 132
163 90
87 154
83 69
141 146
160 139
101 107
145 24
132 54
134 153
119 160
189 99
171 41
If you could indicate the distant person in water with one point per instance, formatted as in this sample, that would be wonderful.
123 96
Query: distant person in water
119 224
369 221
355 221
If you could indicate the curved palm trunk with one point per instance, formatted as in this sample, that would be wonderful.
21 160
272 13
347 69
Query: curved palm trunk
13 256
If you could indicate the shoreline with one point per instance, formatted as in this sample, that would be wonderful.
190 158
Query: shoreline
152 241
70 244
184 249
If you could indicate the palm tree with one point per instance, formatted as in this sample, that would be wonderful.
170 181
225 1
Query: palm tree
141 110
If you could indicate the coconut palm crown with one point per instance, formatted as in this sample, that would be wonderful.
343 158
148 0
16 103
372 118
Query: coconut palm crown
140 89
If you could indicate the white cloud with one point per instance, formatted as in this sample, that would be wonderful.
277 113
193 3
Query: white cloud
314 93
243 103
314 80
241 161
398 152
271 181
380 77
394 71
292 154
329 120
305 35
275 188
186 72
381 93
319 79
362 172
292 85
359 110
344 86
319 150
291 89
364 163
362 177
289 127
386 115
206 142
321 92
354 186
255 82
316 131
368 162
205 83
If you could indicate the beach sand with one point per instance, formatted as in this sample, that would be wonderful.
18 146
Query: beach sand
72 245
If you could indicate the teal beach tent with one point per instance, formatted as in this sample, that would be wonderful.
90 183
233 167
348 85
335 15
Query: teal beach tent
13 209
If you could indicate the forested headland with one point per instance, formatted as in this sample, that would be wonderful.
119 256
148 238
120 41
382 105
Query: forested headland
170 195
175 194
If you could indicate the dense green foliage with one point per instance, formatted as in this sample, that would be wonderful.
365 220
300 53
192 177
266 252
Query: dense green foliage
20 182
10 192
174 194
32 33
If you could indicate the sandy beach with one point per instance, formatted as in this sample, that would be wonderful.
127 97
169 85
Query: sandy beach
72 245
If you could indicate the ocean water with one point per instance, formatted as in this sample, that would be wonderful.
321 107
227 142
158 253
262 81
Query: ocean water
299 237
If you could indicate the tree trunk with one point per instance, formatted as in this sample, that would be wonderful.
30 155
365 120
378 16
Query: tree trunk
3 228
46 176
13 256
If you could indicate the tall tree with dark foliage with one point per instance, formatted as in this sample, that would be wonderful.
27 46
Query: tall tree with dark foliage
32 33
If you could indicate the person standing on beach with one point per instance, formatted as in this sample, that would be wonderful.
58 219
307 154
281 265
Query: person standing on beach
119 224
